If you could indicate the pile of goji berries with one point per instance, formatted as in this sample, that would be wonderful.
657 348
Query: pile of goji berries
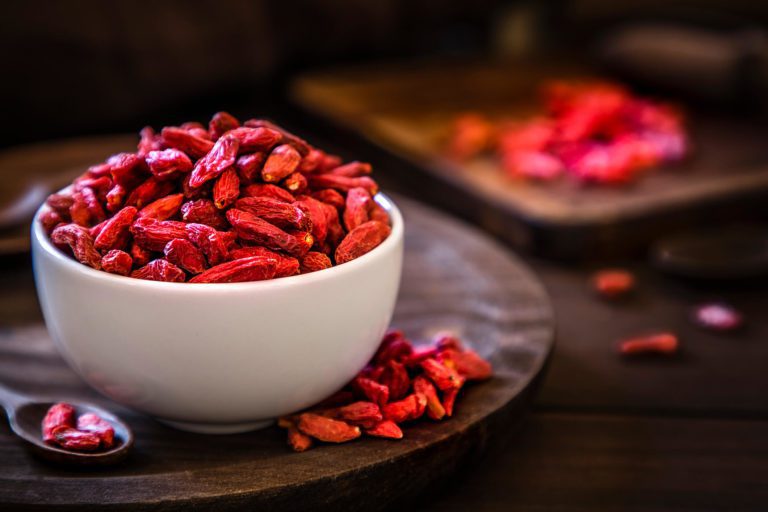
596 132
402 383
87 433
227 203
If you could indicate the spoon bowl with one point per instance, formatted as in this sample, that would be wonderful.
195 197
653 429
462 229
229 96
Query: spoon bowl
25 416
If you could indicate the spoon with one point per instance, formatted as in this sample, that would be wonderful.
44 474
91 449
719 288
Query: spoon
25 415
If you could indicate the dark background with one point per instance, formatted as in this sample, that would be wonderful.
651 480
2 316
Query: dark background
89 66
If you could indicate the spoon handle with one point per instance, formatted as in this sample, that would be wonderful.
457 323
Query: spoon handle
10 400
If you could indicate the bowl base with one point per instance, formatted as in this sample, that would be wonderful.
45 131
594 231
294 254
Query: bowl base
216 428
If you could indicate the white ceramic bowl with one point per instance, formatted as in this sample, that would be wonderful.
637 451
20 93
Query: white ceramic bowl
219 358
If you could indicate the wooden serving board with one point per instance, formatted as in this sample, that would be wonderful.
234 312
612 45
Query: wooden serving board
408 111
454 278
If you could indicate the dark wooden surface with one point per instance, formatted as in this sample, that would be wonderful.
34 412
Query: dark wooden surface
454 278
409 109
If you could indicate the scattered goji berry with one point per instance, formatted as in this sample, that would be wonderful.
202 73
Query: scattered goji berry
327 429
717 316
75 440
386 429
662 343
613 283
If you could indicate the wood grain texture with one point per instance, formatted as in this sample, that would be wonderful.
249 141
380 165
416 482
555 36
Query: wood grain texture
454 278
585 463
408 111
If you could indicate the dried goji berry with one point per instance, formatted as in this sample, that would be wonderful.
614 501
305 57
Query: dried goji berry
363 414
86 209
449 400
314 261
435 409
395 377
298 441
203 211
372 390
116 197
445 378
281 162
215 162
612 283
186 255
220 123
182 139
249 166
58 415
213 243
300 144
361 240
386 429
79 241
115 228
153 234
60 203
117 262
168 163
127 169
252 228
50 219
151 190
95 424
160 270
140 255
148 142
311 161
296 183
717 316
327 429
75 440
331 197
378 213
357 208
317 216
253 139
467 363
410 408
226 189
275 212
267 190
163 208
661 343
254 268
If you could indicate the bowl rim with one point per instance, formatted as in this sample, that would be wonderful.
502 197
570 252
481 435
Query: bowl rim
41 239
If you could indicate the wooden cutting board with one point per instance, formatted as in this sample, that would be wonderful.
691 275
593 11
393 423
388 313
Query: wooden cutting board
408 110
454 278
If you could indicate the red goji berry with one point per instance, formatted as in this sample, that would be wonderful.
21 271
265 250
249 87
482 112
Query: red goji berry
267 190
184 254
357 208
249 166
185 141
114 228
226 189
613 283
352 170
281 162
160 270
314 261
153 234
255 268
361 240
74 440
662 343
327 429
117 262
168 163
58 415
163 208
95 424
435 409
331 197
80 243
213 243
215 162
386 429
220 123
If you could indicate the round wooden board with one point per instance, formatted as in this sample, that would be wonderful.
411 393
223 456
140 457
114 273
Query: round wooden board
454 278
